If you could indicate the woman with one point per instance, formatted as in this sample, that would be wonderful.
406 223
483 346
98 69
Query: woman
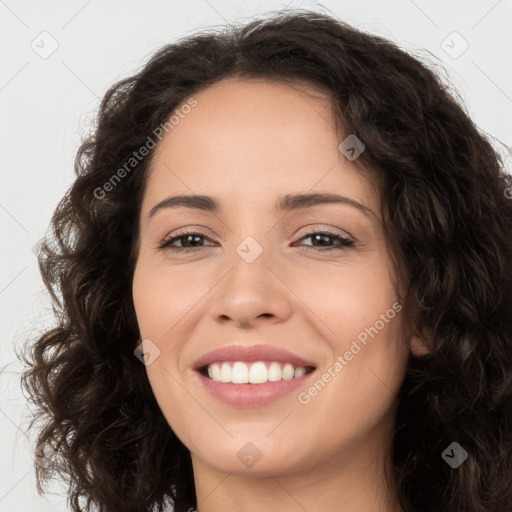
282 284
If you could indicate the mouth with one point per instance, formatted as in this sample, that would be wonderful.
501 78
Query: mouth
252 376
253 372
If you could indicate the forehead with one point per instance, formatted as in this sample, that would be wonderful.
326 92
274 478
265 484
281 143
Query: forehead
233 92
233 110
255 135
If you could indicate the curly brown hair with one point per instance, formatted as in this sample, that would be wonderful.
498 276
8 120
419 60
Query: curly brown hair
448 221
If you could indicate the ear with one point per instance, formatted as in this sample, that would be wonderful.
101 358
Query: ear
418 348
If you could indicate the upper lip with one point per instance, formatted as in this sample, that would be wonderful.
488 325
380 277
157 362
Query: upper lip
251 353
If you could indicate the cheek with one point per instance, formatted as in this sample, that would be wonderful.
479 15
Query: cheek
360 318
348 298
163 297
158 308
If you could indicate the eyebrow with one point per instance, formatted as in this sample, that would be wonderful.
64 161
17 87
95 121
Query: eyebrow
286 203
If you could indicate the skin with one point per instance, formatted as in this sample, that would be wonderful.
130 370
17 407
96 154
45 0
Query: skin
247 143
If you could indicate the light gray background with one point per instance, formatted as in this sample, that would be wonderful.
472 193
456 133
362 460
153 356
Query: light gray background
46 104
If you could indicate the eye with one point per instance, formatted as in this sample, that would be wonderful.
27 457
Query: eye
187 239
191 241
326 239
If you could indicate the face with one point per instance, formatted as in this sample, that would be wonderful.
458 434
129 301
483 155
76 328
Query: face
264 269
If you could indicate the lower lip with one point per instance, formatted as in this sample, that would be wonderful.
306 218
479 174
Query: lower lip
251 395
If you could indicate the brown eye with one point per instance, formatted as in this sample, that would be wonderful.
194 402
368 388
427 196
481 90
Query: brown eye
189 242
326 239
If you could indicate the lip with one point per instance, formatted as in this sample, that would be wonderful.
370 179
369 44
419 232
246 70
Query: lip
251 353
251 395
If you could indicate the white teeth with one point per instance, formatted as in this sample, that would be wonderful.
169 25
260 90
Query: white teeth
258 373
274 372
239 373
299 372
225 373
288 371
253 373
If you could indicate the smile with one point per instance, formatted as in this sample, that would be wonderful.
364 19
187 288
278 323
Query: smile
257 372
251 376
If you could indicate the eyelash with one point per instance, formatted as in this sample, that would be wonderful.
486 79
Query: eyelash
345 243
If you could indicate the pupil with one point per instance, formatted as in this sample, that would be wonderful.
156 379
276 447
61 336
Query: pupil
325 239
190 237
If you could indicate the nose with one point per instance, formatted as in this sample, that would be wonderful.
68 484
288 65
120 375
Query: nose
251 293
